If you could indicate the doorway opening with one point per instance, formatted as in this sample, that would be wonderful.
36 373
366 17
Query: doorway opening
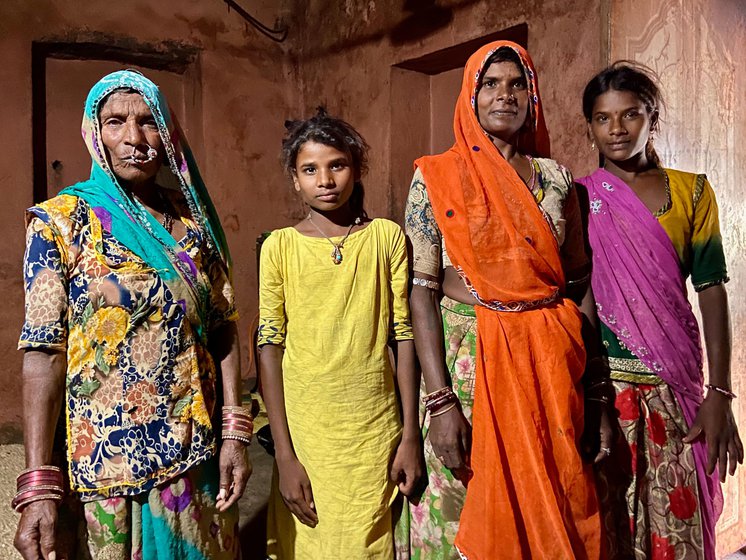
423 99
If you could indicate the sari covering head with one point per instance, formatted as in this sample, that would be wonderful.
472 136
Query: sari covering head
483 203
530 495
128 220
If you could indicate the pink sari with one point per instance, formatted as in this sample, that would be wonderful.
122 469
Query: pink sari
641 296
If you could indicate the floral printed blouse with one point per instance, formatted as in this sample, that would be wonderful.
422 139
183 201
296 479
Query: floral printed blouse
140 385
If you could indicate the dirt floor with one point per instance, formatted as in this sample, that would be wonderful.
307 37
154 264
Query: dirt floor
253 504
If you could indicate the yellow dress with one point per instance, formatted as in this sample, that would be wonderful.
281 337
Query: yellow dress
335 323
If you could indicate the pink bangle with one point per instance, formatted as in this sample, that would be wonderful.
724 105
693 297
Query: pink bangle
238 424
20 505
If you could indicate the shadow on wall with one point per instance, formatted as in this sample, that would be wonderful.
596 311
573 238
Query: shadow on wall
424 18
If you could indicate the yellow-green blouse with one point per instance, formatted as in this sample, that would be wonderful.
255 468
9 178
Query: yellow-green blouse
690 218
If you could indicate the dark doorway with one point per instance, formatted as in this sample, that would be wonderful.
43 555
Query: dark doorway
423 99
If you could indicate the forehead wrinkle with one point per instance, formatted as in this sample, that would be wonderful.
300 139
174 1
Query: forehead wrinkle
122 104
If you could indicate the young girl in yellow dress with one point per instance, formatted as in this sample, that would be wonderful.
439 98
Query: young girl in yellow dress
333 297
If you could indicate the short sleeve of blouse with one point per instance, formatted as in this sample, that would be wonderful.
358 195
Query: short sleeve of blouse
402 325
708 259
422 230
272 319
45 284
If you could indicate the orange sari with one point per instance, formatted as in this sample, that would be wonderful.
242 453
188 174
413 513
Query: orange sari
531 496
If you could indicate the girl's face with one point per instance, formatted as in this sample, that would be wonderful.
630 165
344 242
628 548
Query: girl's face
620 125
502 100
323 176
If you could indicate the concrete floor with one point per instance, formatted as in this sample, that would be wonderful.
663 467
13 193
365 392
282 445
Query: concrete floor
253 504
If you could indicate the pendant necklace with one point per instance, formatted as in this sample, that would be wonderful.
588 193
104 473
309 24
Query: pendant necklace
337 251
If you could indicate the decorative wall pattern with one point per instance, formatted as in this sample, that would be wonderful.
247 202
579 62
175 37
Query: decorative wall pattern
696 48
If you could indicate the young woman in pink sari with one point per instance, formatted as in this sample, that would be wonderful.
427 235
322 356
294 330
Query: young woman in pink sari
650 228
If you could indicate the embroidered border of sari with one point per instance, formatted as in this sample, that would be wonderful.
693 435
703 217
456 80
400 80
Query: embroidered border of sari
529 479
641 296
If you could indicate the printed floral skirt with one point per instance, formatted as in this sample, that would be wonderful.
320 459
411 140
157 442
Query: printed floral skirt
175 521
428 523
648 489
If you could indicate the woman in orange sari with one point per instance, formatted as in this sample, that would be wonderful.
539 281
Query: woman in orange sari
502 216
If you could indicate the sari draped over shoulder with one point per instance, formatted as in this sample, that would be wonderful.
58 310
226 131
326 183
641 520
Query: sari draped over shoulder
530 495
642 298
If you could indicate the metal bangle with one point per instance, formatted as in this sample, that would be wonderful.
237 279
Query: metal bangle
730 394
426 283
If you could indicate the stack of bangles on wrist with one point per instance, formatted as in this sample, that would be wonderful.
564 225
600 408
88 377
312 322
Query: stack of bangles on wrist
599 391
440 401
725 392
238 424
36 484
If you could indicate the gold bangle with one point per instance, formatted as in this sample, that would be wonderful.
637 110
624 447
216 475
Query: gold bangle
40 468
237 437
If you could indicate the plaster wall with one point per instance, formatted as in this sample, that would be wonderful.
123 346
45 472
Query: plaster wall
348 50
696 48
239 98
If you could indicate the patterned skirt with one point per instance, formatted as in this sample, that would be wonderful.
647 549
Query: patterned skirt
175 521
427 526
648 489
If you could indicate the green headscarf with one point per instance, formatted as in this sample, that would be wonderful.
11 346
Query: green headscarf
131 224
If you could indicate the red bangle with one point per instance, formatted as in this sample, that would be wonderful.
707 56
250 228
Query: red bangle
441 402
436 394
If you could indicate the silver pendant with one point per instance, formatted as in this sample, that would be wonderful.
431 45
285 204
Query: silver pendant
337 255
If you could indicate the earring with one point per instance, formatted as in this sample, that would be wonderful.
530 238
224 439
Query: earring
593 146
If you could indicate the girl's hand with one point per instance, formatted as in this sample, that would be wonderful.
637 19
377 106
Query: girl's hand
35 537
406 468
450 436
715 421
295 489
598 433
235 470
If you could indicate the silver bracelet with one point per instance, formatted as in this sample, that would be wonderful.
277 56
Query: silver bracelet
426 283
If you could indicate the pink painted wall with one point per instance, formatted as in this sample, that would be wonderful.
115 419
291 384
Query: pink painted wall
697 50
240 95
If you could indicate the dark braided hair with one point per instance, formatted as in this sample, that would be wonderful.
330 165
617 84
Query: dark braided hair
333 132
636 78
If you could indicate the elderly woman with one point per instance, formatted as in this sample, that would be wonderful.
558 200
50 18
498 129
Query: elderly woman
498 223
129 315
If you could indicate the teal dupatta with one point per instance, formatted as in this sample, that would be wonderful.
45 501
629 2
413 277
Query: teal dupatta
130 223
